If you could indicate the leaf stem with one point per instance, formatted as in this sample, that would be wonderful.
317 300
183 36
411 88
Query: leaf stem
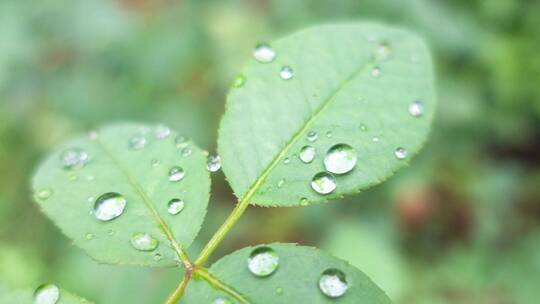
179 290
204 274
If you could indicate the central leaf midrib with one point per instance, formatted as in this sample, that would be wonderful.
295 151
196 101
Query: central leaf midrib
148 203
259 182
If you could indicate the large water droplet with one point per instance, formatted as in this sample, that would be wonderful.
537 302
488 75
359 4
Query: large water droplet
74 158
264 53
333 283
312 136
340 159
400 153
416 109
307 154
239 81
46 294
221 300
263 261
144 242
162 131
175 206
176 174
109 206
323 183
286 73
43 194
213 163
137 142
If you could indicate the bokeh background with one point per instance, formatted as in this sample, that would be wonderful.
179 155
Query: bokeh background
460 225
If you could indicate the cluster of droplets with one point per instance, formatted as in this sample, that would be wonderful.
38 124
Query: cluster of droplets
74 158
263 261
46 294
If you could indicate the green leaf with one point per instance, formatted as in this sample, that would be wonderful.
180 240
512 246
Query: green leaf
24 296
141 177
345 77
296 279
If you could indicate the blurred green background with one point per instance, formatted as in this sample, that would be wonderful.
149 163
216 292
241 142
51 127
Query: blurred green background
460 225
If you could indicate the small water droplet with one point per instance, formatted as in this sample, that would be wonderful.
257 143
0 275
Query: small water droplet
279 291
329 134
154 162
46 294
400 153
175 206
307 154
363 127
74 158
333 283
110 232
304 201
144 242
376 72
323 183
340 159
222 300
90 199
44 193
264 53
181 142
382 51
176 174
286 160
73 177
90 178
162 132
286 73
89 236
312 136
157 257
281 182
375 139
263 261
239 81
416 109
109 206
186 152
213 163
137 142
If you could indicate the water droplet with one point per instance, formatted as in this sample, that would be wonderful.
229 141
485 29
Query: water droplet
286 73
162 132
74 158
400 153
93 135
312 136
221 300
90 178
382 51
329 134
46 294
73 177
186 152
307 154
109 206
333 283
363 127
263 261
175 206
264 53
176 174
144 242
213 163
279 291
286 160
157 257
90 199
110 232
43 194
89 236
416 109
323 183
304 201
375 139
154 162
376 72
340 159
239 81
137 142
181 141
281 182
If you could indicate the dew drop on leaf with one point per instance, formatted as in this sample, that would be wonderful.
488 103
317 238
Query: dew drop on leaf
286 160
307 154
363 127
154 162
304 201
137 142
181 141
333 283
382 51
263 261
221 300
375 139
376 72
186 152
279 291
264 53
329 134
176 174
239 81
74 158
281 182
340 159
416 109
157 257
109 206
213 164
323 183
286 73
162 132
43 194
144 242
312 136
89 236
400 153
175 206
46 294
